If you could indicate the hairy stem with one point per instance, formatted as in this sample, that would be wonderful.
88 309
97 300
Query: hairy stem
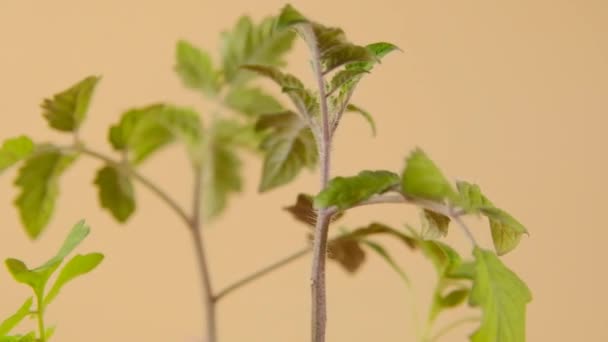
319 302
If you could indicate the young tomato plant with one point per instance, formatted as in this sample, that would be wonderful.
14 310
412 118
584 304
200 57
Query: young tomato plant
289 140
37 279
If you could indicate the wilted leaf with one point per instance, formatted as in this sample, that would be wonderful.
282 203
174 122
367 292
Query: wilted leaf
434 225
38 179
289 148
506 231
252 101
366 115
344 192
304 211
248 43
14 150
66 110
502 296
143 131
77 266
195 68
115 192
347 252
8 324
422 178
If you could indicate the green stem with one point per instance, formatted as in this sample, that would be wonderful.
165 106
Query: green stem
452 326
40 316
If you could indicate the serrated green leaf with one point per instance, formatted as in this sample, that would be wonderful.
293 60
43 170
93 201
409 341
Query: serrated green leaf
252 101
381 251
304 211
220 170
289 148
14 150
116 192
8 324
366 115
77 266
506 230
502 296
66 110
248 43
344 192
347 252
434 225
304 100
143 131
38 179
343 54
195 68
423 179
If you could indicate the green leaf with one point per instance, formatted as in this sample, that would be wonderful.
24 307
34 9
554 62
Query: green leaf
248 43
220 170
345 53
378 50
344 77
252 101
66 110
143 131
288 148
381 251
289 16
38 179
195 68
423 179
77 266
29 337
14 150
344 192
454 298
470 198
366 115
116 192
304 100
502 296
304 211
8 324
445 259
376 228
506 230
347 252
78 233
434 225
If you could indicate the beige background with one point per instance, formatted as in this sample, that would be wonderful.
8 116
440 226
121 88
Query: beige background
510 94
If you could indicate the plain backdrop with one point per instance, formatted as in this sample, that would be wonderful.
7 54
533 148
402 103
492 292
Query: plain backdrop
509 94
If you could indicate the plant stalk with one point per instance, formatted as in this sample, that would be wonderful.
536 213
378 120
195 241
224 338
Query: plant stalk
40 317
209 302
318 289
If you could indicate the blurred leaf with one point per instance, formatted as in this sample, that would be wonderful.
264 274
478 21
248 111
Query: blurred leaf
142 131
344 77
376 228
66 110
506 231
77 266
248 43
8 324
345 192
304 100
252 101
195 68
423 179
444 258
304 211
366 115
470 197
434 225
38 179
220 169
388 258
78 233
347 252
378 50
502 296
454 298
116 192
289 16
289 148
14 150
